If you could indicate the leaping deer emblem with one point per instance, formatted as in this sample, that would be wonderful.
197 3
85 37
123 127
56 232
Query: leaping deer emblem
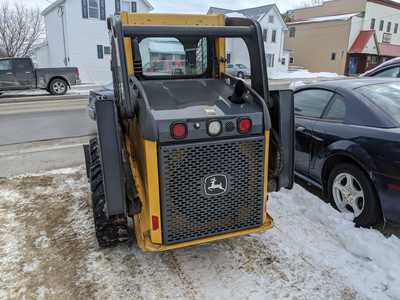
214 185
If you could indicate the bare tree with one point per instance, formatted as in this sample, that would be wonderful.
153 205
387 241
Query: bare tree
21 29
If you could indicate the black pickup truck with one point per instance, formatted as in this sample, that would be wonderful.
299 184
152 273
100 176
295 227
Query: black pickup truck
20 74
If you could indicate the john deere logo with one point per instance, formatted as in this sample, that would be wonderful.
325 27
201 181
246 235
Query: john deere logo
215 185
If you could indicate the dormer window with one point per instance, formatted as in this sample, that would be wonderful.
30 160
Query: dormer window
271 19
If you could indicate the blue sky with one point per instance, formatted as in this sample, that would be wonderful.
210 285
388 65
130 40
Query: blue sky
191 6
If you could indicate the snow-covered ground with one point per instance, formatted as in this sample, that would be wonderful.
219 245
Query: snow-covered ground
83 89
48 250
302 74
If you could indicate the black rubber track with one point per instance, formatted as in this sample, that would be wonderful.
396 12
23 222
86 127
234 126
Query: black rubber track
108 232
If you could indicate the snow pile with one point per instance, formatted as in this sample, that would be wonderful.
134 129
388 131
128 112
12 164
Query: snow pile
236 15
364 257
301 74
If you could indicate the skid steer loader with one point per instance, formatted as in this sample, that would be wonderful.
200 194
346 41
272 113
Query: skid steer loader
186 154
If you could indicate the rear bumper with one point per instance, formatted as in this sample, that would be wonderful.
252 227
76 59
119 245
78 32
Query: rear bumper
388 189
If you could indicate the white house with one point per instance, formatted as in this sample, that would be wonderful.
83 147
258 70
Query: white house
77 35
273 27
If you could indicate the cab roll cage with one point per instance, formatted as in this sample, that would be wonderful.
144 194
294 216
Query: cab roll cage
247 29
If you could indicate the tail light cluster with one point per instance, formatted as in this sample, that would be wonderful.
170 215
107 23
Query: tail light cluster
179 130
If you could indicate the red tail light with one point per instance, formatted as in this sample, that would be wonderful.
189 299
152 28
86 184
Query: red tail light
244 125
178 131
77 73
154 222
394 187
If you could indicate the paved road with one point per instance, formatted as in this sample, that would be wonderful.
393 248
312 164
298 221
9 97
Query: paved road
44 120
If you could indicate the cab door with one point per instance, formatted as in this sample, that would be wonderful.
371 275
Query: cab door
7 77
309 106
24 74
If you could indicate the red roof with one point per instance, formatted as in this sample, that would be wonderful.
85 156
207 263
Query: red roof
389 50
361 41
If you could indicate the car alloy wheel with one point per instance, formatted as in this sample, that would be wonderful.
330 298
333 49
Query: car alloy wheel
59 87
348 194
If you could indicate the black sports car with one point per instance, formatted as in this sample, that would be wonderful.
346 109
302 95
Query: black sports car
348 145
389 69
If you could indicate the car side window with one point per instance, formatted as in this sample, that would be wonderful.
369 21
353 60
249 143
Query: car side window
311 103
389 73
22 65
5 65
337 111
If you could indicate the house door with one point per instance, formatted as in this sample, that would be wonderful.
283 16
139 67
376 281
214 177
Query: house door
353 65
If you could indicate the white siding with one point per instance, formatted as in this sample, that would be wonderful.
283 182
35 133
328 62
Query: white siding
55 38
239 52
81 39
274 48
40 57
356 27
385 13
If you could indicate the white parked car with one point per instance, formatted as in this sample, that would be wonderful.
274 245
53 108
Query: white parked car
238 70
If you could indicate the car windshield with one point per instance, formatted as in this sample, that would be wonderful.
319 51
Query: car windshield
173 57
386 96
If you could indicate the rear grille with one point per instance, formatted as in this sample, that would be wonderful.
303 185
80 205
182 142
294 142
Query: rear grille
188 212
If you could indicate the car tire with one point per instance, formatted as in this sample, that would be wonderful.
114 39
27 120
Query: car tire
58 87
350 190
240 75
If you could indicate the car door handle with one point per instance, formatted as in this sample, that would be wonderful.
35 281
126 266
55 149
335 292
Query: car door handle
27 72
10 73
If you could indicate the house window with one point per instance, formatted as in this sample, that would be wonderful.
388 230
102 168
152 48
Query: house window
396 28
129 6
387 38
291 60
372 60
333 56
100 52
273 39
228 58
107 50
283 61
271 60
373 21
271 19
381 25
265 34
292 32
389 27
94 9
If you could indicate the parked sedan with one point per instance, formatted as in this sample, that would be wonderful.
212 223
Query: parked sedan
238 70
389 69
348 145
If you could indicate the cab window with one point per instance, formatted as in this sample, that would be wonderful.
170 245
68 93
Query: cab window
311 103
173 57
5 65
22 65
